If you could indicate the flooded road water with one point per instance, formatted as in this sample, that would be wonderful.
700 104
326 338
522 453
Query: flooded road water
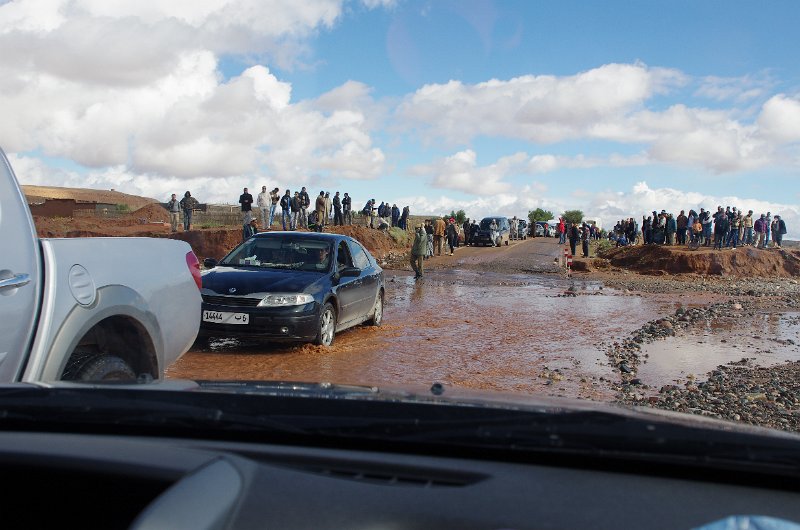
529 333
767 340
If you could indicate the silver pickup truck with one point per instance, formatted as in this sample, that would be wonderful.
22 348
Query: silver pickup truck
90 309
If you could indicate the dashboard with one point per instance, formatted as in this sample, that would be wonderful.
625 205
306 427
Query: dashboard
108 481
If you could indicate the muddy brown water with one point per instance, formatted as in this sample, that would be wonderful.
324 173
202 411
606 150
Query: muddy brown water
533 334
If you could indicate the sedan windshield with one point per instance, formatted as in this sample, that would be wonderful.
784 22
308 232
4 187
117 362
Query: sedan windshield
280 253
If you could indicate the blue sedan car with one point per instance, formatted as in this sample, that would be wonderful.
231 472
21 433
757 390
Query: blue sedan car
292 286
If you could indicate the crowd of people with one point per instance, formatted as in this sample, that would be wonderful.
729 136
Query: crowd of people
726 228
296 211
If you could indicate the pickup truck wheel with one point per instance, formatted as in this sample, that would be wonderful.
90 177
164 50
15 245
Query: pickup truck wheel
105 368
327 326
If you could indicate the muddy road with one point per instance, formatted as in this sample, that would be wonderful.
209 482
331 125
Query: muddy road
485 318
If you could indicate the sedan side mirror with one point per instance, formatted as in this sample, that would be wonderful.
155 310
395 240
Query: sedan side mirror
209 263
350 271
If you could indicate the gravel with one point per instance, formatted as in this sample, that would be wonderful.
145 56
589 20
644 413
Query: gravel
739 391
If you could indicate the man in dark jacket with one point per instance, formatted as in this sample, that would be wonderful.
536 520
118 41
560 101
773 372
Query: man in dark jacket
188 204
246 200
395 215
296 207
305 201
347 208
286 210
574 237
337 210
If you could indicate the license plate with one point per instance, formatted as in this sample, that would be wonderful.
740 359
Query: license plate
221 317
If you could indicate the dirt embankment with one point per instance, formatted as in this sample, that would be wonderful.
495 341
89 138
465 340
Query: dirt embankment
743 261
388 247
216 242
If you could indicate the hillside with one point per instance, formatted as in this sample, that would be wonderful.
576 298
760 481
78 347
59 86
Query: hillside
134 202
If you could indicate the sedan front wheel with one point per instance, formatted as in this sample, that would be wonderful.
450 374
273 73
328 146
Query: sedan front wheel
327 326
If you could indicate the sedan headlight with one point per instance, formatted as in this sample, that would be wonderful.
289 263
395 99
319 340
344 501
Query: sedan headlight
285 299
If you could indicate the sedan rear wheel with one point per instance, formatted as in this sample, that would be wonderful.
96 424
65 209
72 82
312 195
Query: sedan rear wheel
377 311
327 326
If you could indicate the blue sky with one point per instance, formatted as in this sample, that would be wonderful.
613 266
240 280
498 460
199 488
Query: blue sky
614 107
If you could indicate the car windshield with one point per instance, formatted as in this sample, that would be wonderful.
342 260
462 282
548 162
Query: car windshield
281 253
242 191
487 223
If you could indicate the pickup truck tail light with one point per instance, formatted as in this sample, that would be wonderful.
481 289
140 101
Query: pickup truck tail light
194 268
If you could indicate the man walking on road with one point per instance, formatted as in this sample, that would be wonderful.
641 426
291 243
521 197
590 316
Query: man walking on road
418 250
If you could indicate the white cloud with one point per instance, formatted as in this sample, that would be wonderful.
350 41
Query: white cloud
136 85
739 89
610 103
460 172
536 108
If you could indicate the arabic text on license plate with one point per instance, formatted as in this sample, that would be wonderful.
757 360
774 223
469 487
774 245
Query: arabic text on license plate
221 317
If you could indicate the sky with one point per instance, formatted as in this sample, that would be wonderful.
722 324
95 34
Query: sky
616 108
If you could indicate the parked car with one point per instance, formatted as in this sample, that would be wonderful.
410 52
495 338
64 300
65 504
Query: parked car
90 309
485 237
292 286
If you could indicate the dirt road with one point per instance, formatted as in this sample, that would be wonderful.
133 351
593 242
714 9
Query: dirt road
483 318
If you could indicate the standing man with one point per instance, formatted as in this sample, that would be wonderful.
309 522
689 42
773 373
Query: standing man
347 207
747 226
779 231
574 236
274 199
328 207
682 222
418 250
174 209
438 235
296 207
404 218
305 201
286 209
562 232
188 204
263 204
767 228
246 200
395 215
319 206
368 212
585 235
672 229
337 210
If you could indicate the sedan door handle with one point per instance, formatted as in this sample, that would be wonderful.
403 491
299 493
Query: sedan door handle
15 281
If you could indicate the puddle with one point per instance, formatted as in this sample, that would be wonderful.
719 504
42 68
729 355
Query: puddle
535 334
768 340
